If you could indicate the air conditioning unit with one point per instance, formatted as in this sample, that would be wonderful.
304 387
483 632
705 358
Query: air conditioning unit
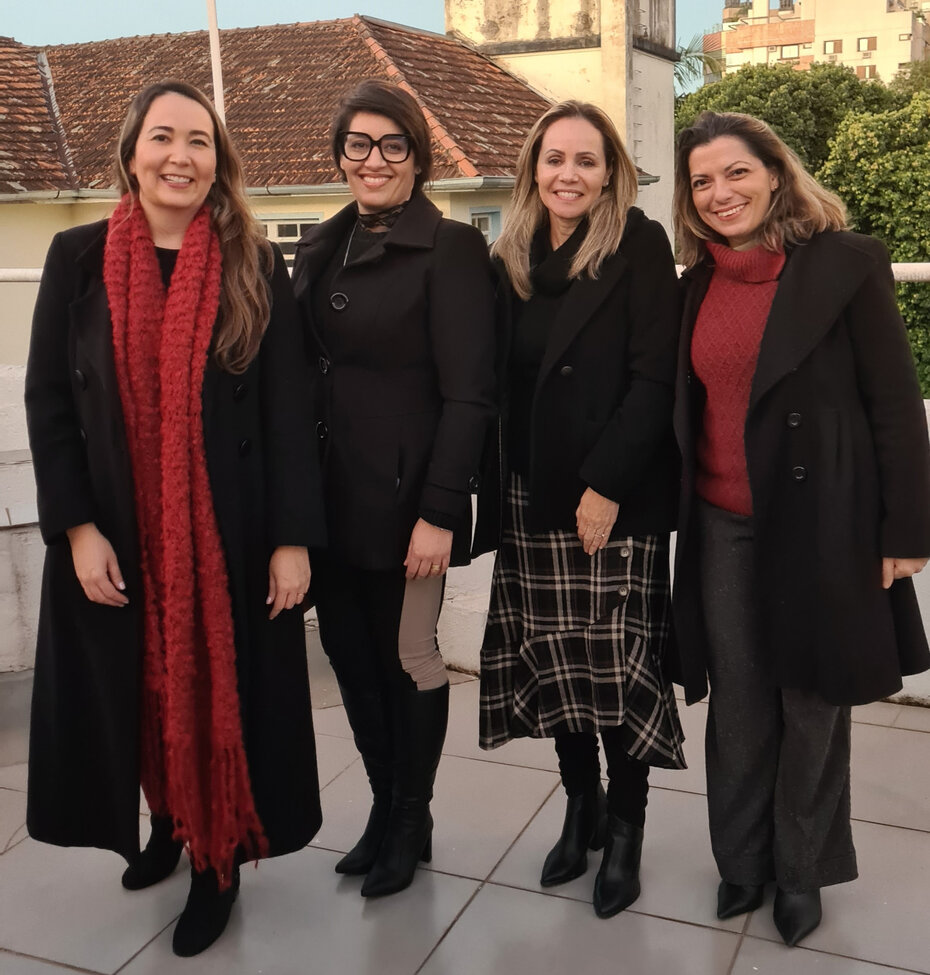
866 54
774 48
831 58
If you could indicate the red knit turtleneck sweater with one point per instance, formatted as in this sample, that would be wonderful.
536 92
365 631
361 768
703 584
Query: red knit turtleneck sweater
724 349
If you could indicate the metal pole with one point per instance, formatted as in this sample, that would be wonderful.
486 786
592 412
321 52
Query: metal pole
218 99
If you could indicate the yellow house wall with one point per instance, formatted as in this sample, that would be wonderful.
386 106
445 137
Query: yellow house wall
493 21
559 74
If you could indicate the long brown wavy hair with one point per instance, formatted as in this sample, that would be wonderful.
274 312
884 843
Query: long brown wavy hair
245 302
606 218
800 206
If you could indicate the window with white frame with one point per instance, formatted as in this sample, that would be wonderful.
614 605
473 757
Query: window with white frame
833 47
286 231
866 43
487 220
790 51
866 71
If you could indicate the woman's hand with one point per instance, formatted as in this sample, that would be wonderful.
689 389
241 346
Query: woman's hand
95 566
288 578
900 569
429 551
595 517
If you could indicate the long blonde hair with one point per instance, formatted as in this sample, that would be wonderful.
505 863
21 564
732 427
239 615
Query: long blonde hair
245 302
800 206
607 216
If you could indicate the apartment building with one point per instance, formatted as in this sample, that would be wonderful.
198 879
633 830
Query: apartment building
874 37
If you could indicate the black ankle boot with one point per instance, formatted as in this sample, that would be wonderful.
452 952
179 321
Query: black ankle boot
736 899
366 711
796 915
159 858
420 719
205 914
617 883
583 829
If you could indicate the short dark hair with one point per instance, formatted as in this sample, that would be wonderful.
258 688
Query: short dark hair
391 101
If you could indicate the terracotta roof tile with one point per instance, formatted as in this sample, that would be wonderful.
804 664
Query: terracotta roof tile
31 157
282 84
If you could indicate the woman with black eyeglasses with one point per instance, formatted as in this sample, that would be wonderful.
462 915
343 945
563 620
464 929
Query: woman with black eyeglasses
398 308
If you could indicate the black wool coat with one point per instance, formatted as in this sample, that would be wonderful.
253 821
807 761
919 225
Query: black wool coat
85 726
602 408
839 469
406 380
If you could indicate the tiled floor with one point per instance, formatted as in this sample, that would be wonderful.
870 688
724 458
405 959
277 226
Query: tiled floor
478 909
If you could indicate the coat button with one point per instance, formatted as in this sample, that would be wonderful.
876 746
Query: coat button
239 392
321 430
793 420
474 482
799 473
83 435
81 378
324 364
624 591
566 370
245 447
624 552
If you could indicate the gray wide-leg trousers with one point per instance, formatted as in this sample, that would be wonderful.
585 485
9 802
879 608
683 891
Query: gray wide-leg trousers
777 758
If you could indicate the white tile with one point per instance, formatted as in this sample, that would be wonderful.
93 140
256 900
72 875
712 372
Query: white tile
915 718
755 956
294 917
66 905
333 756
21 965
882 916
12 816
524 933
14 777
478 808
890 783
331 721
878 712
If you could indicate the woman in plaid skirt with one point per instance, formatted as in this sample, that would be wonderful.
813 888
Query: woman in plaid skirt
583 489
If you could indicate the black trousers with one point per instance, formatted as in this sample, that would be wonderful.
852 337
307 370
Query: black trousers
777 757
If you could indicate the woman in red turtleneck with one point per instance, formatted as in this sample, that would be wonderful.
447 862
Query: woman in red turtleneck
805 506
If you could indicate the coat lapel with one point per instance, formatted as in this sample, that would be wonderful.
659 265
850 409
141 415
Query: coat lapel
583 298
695 281
813 290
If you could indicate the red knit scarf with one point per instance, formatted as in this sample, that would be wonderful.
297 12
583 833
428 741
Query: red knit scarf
193 763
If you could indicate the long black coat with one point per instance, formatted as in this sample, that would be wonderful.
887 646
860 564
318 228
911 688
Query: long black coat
602 408
839 469
84 744
406 374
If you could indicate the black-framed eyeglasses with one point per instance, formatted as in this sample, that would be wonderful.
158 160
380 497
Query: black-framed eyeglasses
357 146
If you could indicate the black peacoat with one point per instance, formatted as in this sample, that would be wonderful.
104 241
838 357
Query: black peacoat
839 469
406 388
602 407
84 743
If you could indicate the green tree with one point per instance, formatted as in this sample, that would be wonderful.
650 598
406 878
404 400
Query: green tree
692 63
803 107
913 77
880 165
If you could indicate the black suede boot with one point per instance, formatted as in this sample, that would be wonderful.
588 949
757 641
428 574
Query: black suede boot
583 829
367 714
796 915
419 719
205 914
159 858
617 883
736 899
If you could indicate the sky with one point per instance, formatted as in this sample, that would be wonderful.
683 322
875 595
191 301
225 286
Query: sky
40 22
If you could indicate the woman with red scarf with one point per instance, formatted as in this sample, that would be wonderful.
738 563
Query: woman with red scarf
177 493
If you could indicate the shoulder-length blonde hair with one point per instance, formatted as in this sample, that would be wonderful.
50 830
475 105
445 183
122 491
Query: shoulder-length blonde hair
606 219
245 303
800 206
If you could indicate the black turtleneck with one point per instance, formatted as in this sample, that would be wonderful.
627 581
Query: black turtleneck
532 323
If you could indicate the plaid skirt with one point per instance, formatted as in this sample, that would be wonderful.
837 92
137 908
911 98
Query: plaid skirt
574 642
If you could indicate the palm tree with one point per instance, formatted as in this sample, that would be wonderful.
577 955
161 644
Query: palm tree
692 64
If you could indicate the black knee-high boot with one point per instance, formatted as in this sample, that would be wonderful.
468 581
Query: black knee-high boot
366 709
617 886
419 719
159 858
585 811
